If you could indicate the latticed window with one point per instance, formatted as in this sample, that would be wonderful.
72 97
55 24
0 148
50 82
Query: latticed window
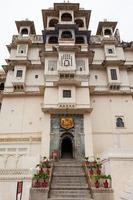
52 65
66 60
80 64
22 49
113 74
19 73
66 93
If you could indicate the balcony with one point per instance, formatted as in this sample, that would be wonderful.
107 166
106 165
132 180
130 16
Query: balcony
114 85
67 79
27 39
71 108
98 39
66 41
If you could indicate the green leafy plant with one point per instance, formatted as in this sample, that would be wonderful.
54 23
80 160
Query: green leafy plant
98 177
86 158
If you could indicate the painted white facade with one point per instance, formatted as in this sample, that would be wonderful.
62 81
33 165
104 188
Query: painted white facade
40 69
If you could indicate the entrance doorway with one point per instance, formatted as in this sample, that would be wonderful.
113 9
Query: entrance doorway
67 147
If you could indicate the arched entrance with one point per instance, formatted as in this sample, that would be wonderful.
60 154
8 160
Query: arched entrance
67 146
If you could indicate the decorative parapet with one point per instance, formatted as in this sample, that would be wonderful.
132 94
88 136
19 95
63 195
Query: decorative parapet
100 185
98 39
38 194
41 180
4 140
31 38
15 174
67 107
102 194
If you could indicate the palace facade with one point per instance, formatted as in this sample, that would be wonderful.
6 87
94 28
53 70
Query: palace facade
66 91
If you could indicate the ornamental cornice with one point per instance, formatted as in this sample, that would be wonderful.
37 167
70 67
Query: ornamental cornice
20 140
15 174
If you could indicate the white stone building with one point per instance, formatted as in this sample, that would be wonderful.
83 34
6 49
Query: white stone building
66 88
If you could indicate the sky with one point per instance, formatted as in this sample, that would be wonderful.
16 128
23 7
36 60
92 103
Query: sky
12 10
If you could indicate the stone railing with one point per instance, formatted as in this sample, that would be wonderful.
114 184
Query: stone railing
66 106
41 193
98 191
32 38
98 39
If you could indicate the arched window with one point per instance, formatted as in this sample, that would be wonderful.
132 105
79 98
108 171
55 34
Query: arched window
66 34
79 22
110 51
119 122
81 69
107 32
80 40
53 22
53 40
24 31
66 17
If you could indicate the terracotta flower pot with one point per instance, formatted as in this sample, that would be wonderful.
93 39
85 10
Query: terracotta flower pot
97 184
37 184
91 171
86 162
45 184
106 184
98 171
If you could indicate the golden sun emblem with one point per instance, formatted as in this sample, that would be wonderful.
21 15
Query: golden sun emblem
67 122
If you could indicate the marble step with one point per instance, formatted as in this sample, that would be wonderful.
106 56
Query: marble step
69 193
68 164
70 187
68 175
71 169
71 178
71 183
69 198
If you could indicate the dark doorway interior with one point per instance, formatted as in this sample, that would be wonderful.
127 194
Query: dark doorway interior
66 148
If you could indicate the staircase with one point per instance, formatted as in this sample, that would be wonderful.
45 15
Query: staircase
69 182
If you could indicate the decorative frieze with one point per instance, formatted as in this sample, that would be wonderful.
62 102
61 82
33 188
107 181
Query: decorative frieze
20 140
15 174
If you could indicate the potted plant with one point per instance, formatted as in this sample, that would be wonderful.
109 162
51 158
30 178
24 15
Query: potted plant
97 183
91 172
86 160
98 168
106 183
45 178
35 180
41 178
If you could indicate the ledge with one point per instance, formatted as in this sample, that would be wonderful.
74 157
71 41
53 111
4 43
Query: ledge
39 193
